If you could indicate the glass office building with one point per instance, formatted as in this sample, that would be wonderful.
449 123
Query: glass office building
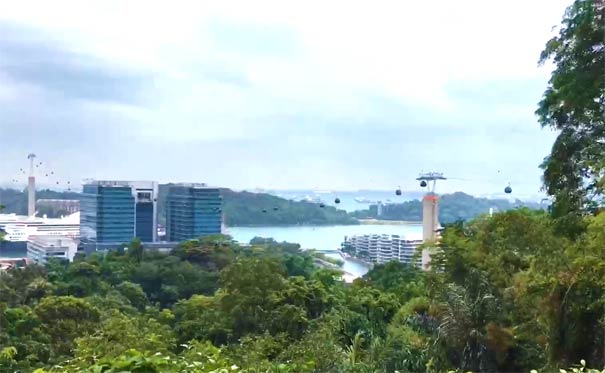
146 214
144 224
193 211
114 212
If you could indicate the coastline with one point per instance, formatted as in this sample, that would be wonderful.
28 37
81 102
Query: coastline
358 222
361 261
388 222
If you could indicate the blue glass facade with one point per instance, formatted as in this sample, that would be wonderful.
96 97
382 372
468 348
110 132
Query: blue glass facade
107 216
145 221
193 212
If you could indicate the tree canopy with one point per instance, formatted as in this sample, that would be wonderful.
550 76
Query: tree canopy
574 105
452 207
504 293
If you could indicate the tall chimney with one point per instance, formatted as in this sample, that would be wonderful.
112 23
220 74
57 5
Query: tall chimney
430 216
430 223
31 196
31 187
430 213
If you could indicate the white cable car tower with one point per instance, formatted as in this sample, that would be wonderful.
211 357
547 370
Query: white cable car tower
31 187
430 212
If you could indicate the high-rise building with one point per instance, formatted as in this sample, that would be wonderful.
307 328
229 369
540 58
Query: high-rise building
114 212
145 199
192 211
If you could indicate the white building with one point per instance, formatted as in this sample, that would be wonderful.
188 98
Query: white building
42 248
20 228
383 248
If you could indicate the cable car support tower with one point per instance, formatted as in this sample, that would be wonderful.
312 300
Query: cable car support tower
31 187
430 211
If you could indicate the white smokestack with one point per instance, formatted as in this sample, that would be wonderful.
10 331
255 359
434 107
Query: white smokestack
31 187
31 196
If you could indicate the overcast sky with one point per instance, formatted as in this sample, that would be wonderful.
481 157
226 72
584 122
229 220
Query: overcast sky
322 94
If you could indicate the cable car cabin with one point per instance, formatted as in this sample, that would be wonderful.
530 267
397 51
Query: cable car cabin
398 192
423 183
508 190
337 201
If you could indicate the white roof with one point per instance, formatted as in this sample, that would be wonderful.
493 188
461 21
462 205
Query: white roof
52 240
5 218
410 236
413 236
14 218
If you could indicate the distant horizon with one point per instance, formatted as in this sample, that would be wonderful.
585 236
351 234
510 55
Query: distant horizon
409 192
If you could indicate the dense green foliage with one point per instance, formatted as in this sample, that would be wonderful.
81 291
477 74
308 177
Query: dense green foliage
452 207
574 105
262 209
245 208
505 294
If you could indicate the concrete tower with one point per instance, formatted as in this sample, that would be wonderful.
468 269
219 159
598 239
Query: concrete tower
430 216
430 212
31 187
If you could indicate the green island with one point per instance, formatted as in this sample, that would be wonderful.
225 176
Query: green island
246 209
452 207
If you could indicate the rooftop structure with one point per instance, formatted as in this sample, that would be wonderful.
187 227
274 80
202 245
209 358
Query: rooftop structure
42 248
19 228
9 263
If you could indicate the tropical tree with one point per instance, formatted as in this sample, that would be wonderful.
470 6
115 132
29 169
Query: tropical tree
574 105
66 318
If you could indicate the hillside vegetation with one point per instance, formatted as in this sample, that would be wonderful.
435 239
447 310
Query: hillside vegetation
452 207
246 208
506 293
261 209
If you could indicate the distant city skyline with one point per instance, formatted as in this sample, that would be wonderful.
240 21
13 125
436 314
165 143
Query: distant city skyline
278 96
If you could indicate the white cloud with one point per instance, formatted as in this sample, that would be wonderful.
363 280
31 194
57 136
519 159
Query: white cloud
427 76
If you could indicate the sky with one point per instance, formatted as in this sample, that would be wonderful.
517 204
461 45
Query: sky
334 95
